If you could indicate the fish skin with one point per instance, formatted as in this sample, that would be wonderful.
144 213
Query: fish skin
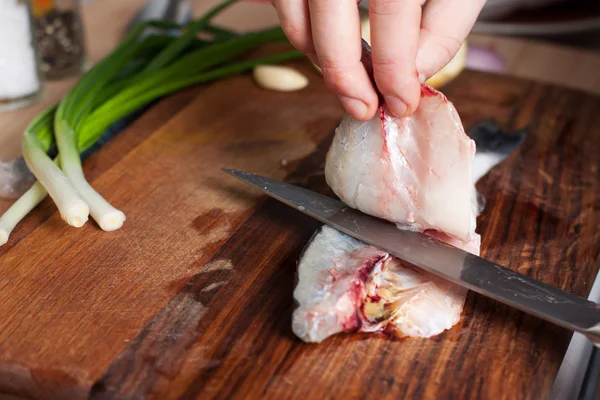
493 147
489 138
339 277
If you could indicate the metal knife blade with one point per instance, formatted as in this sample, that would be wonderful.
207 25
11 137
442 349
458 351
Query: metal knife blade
465 269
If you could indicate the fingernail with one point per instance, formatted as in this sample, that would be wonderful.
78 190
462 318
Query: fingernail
396 106
422 78
354 106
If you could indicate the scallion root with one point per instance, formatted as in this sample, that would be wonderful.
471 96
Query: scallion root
107 217
19 210
73 209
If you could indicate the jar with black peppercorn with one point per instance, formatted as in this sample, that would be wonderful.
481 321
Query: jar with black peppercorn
60 37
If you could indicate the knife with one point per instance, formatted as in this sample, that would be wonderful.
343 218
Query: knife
465 269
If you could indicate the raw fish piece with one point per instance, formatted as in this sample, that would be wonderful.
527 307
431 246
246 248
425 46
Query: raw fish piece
415 171
345 285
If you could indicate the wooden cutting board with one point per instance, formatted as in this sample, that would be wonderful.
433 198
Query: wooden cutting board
193 297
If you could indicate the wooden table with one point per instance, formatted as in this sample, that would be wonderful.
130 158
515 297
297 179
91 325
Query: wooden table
192 298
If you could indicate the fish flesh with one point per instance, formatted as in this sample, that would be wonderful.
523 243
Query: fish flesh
415 171
345 285
420 173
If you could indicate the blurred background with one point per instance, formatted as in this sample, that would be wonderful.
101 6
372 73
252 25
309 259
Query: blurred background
569 22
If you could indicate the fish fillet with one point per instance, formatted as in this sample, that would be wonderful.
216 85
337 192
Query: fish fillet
420 173
415 171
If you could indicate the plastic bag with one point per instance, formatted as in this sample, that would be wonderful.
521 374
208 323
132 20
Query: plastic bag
15 178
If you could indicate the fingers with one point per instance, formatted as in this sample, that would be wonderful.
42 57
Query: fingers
295 22
394 42
444 27
335 28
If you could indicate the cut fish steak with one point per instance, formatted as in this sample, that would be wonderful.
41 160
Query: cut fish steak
420 173
345 285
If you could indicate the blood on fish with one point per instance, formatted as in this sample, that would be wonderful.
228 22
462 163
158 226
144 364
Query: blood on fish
375 298
427 91
368 267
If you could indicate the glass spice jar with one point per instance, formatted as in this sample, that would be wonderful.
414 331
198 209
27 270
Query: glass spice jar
20 83
60 37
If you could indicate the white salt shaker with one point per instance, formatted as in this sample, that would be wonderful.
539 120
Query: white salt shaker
20 83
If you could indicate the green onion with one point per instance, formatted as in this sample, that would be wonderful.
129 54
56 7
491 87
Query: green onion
19 210
193 28
73 209
99 122
74 109
142 69
195 62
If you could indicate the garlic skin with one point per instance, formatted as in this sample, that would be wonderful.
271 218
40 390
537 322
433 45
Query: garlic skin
279 78
317 67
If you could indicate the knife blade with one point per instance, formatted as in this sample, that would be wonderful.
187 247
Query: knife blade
465 269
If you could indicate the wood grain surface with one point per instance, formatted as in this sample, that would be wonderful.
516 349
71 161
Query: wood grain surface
192 299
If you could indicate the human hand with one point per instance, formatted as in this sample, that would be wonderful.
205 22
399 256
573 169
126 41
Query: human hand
409 43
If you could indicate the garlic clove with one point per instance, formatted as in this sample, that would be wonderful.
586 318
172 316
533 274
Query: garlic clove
279 78
451 70
365 28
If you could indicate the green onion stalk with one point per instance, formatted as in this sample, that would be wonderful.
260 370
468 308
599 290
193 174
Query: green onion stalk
139 71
